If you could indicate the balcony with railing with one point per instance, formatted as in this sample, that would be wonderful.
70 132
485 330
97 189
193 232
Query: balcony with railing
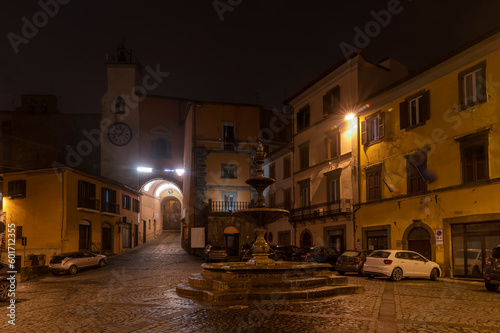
89 204
342 206
110 208
227 206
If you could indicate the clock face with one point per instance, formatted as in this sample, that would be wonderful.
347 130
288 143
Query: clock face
119 134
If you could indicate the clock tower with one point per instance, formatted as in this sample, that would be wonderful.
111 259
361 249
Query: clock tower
120 118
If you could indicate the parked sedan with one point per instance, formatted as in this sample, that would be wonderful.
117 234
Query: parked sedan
352 261
214 253
72 262
318 254
284 252
398 264
492 270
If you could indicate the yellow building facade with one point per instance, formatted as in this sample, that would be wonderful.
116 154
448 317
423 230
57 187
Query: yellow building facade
325 149
430 163
61 210
219 143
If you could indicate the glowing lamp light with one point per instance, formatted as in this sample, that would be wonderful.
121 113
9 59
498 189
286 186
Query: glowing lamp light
180 172
350 116
144 169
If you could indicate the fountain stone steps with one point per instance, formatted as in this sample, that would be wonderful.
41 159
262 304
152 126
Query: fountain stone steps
218 297
283 283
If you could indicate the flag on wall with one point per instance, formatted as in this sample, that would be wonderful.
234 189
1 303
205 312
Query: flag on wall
427 174
391 187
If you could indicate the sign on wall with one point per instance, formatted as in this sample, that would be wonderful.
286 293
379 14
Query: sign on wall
439 236
197 238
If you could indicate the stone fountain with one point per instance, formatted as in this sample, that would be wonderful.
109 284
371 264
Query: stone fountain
262 278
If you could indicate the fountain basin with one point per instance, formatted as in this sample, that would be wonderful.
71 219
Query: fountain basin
261 216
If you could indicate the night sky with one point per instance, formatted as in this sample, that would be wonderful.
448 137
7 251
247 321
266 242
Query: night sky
261 52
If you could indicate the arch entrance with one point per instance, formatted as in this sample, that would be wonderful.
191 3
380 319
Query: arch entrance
161 208
171 213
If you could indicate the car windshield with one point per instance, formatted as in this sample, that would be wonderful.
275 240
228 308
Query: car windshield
380 254
496 252
350 254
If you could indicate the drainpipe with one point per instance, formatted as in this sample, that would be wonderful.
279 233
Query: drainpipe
357 206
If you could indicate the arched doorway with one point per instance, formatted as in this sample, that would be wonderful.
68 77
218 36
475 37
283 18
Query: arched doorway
106 237
171 211
305 238
85 235
419 240
232 241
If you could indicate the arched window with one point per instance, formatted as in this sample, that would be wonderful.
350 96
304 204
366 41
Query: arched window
120 105
306 238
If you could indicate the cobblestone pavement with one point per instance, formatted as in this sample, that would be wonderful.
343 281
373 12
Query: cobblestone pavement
136 293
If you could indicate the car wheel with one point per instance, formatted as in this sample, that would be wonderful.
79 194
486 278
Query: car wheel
397 274
4 290
72 270
491 287
434 274
371 276
476 271
55 273
102 263
341 272
280 259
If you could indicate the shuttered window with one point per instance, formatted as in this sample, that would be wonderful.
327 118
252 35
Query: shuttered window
415 110
373 128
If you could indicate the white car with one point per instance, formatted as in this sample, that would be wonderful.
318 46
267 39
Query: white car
398 264
74 261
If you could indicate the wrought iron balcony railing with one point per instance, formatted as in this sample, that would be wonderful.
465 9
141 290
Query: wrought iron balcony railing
89 203
110 207
324 209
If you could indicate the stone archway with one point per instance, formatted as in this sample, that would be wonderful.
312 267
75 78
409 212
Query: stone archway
417 237
171 212
306 238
